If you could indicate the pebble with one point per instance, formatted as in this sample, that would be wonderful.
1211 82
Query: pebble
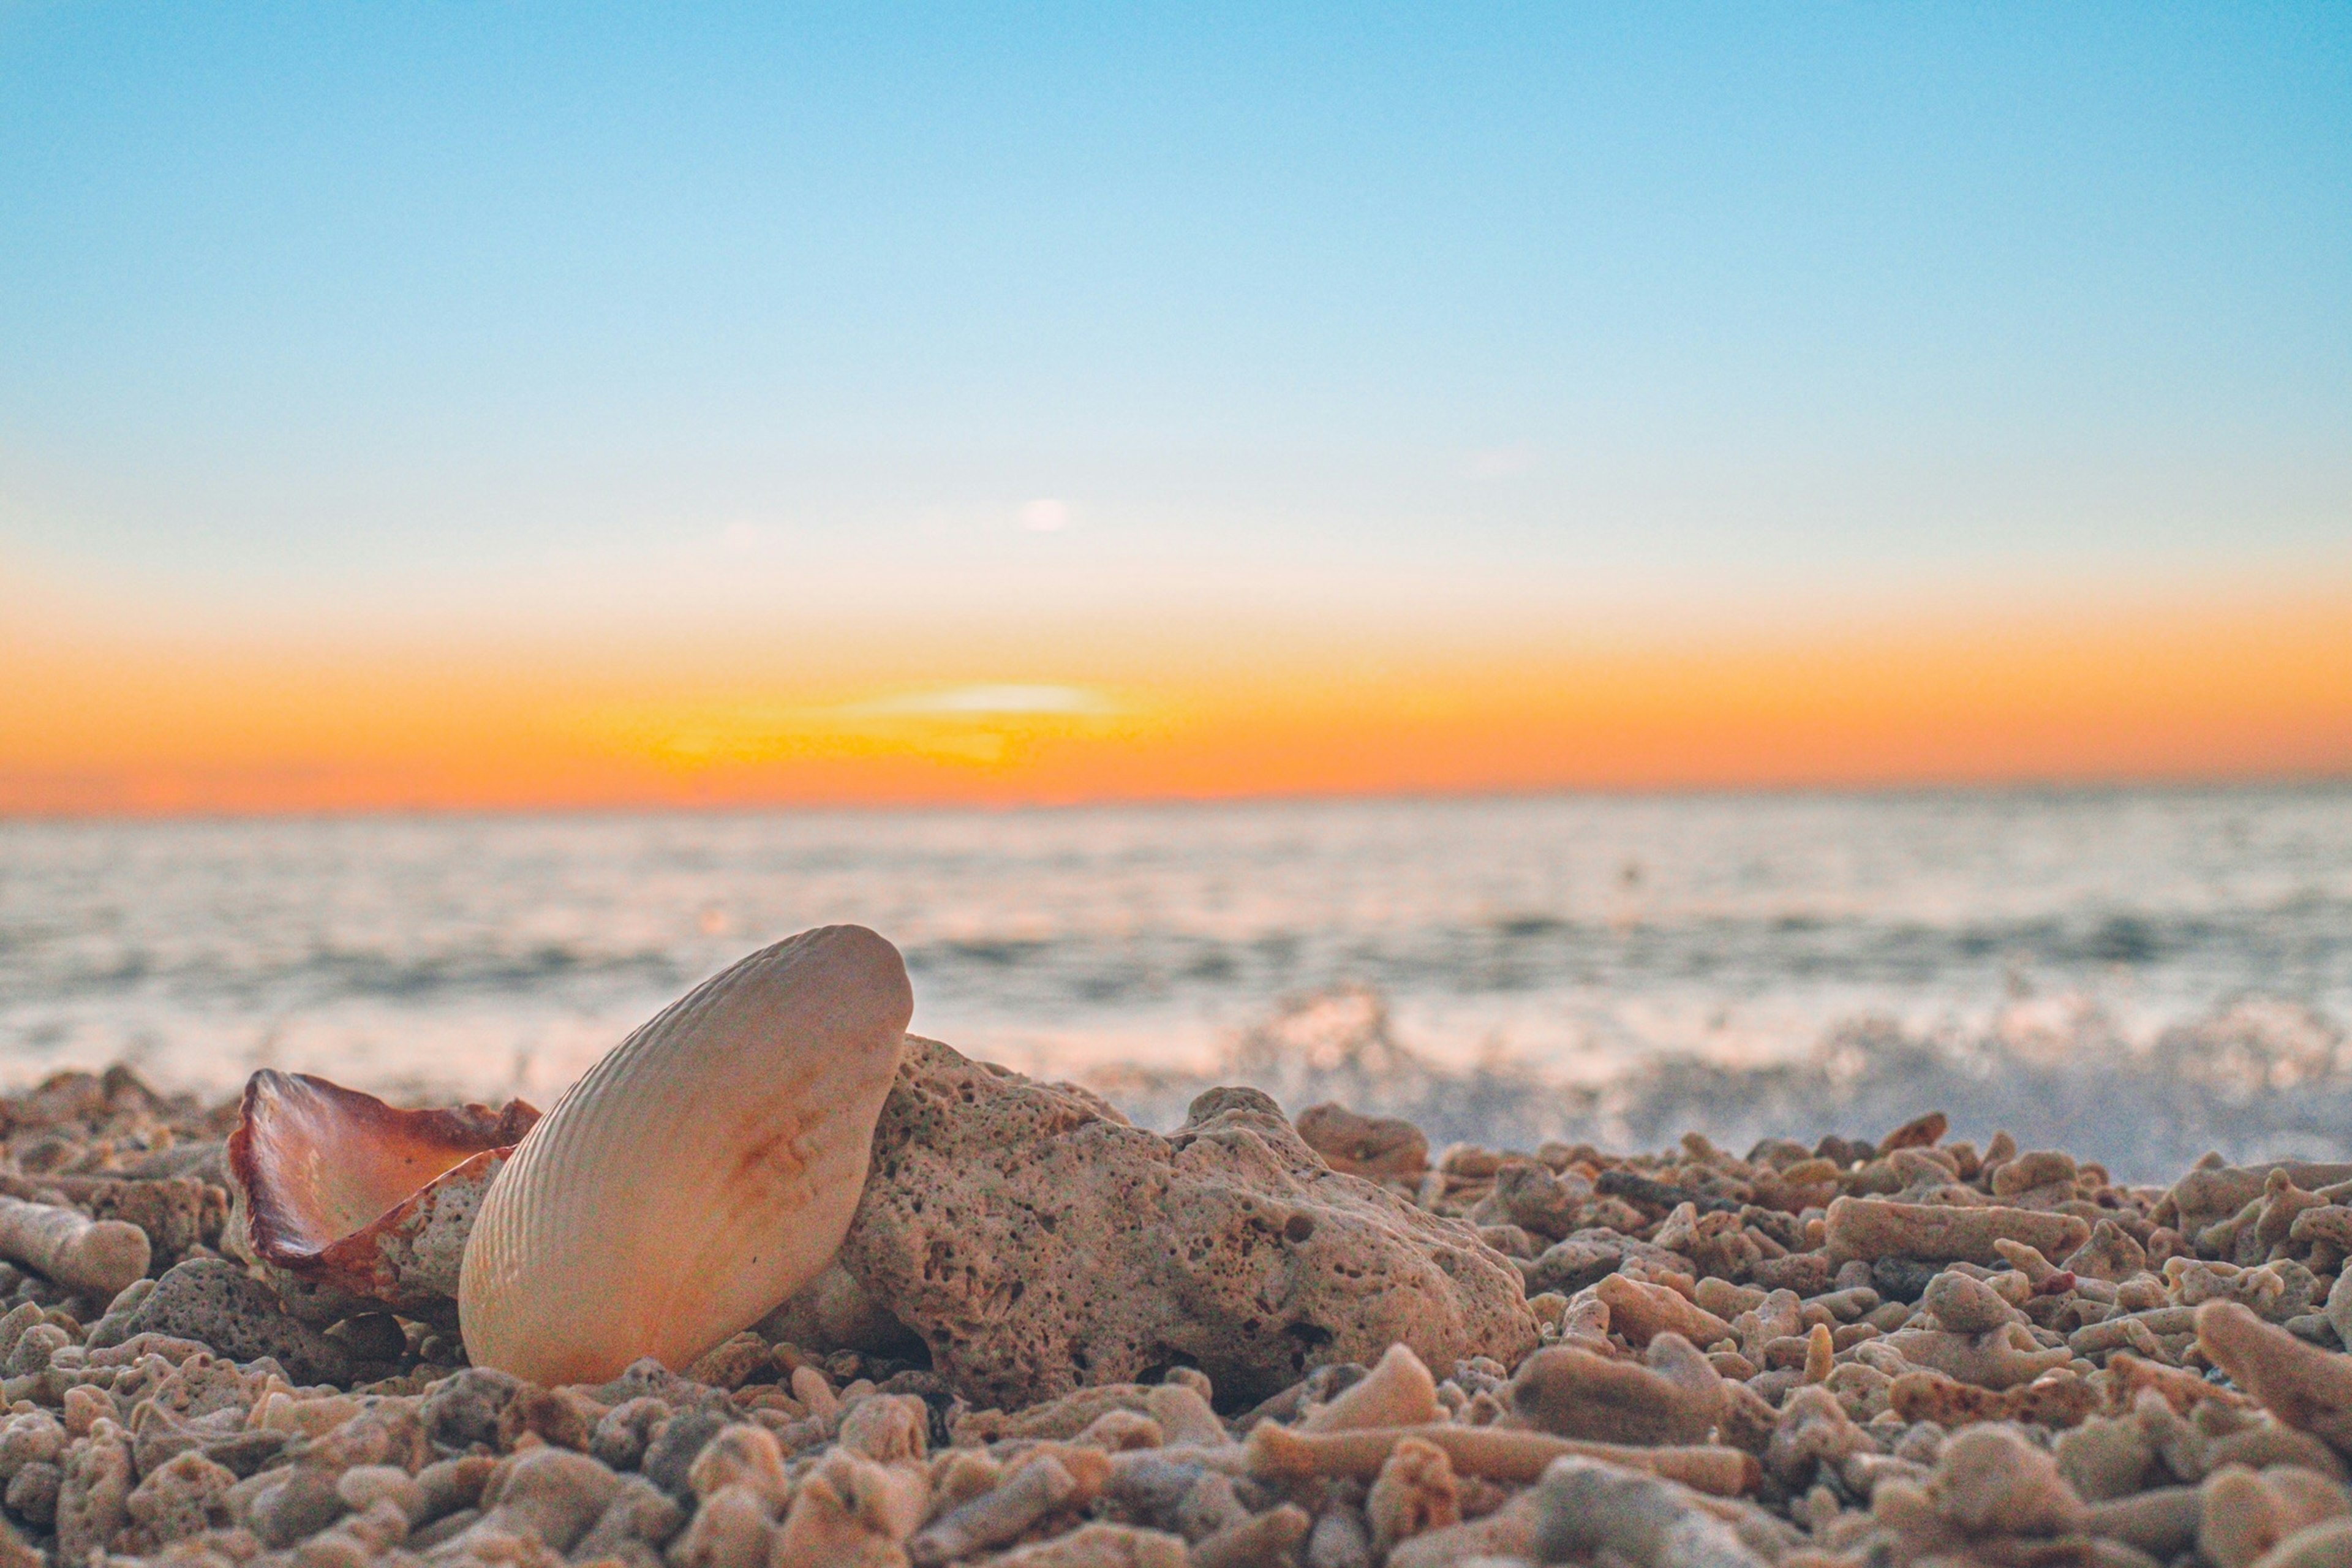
214 1303
1873 1352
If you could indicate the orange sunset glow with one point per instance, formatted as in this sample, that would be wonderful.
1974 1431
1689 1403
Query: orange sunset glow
2231 693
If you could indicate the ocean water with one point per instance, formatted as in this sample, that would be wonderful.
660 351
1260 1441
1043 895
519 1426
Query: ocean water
2145 972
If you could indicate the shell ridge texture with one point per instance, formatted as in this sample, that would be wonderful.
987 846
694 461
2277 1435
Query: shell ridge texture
698 1174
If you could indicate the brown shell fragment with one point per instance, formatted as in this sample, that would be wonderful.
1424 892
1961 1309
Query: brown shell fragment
351 1204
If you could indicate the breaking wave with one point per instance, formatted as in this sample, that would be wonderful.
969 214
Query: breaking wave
2257 1078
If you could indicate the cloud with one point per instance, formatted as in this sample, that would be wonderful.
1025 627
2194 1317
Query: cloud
983 702
1046 515
1499 462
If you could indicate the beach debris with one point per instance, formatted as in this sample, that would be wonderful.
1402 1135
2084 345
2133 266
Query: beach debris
2215 1191
1993 1480
1641 1312
348 1205
833 1312
1398 1392
96 1257
698 1176
1278 1452
1715 1373
210 1301
2055 1403
1036 1246
1586 1507
1415 1491
1677 1397
2306 1387
1382 1148
1867 1230
1507 1535
2243 1513
2327 1544
1104 1546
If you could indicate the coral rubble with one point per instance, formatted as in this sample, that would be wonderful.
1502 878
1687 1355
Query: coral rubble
1054 1340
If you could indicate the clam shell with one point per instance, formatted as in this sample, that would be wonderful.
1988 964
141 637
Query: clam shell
698 1174
351 1204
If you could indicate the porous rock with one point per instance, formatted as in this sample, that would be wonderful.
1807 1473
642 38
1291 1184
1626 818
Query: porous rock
669 1456
1572 1393
1381 1147
1591 1255
2304 1386
1100 1546
1867 1229
1592 1508
295 1502
92 1498
1036 1245
1991 1479
180 1497
217 1303
833 1312
551 1493
178 1213
462 1411
1967 1306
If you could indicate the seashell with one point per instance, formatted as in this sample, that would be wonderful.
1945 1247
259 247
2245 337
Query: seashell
351 1205
697 1175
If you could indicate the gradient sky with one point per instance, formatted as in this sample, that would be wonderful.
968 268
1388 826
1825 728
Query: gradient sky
514 404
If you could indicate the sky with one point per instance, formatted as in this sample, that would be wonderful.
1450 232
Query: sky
513 405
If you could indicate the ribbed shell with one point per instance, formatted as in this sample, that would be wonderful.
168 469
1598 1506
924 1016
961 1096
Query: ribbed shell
698 1174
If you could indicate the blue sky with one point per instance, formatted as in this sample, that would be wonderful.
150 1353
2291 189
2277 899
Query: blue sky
364 308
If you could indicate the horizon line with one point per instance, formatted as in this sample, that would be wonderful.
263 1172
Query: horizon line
2022 784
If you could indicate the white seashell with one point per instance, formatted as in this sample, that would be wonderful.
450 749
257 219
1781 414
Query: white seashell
698 1174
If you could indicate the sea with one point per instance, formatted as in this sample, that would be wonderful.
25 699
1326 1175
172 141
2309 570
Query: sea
2136 975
